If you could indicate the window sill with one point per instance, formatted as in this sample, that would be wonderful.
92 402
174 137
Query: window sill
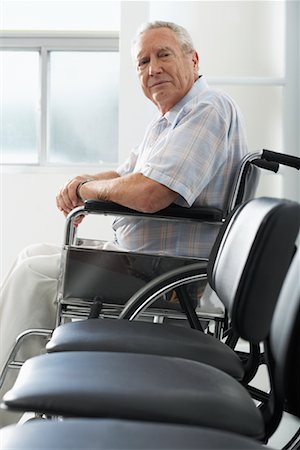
55 169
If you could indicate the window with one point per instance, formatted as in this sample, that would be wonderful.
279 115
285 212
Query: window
60 89
83 107
19 106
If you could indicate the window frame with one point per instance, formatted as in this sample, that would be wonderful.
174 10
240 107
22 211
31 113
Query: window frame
45 42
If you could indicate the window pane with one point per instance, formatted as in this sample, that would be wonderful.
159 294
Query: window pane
83 107
19 106
60 15
233 38
262 109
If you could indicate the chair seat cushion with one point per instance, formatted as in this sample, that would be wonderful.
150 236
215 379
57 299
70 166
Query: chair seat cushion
136 387
93 434
147 338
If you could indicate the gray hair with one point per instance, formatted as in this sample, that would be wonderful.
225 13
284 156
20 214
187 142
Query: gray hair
183 37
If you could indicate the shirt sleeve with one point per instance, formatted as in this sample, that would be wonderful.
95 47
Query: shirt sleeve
191 153
128 165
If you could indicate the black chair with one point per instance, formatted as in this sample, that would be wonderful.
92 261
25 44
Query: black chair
254 250
93 434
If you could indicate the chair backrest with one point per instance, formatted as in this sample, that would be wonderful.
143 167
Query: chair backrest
284 343
249 262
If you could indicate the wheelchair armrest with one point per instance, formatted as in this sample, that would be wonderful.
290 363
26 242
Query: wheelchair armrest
200 213
173 212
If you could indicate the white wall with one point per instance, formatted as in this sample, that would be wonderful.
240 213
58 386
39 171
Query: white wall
28 211
29 214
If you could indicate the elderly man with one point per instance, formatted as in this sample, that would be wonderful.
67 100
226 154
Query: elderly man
188 156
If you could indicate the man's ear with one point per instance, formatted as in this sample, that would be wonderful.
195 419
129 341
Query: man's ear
195 61
195 58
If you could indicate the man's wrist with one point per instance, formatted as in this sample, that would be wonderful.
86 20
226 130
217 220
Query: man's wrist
80 186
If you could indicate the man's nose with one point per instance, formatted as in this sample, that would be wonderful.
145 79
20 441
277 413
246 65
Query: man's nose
154 66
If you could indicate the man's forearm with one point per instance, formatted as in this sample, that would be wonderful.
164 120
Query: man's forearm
134 191
68 197
109 175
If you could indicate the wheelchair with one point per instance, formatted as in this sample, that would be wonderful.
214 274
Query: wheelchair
101 296
100 269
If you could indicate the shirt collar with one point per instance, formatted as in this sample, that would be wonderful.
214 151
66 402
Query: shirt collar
199 86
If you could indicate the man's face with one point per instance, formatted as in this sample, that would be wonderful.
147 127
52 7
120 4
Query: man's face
166 73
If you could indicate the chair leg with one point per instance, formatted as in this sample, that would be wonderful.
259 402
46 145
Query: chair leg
231 338
219 327
188 309
96 308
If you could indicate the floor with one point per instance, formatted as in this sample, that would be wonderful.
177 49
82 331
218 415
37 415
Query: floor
287 428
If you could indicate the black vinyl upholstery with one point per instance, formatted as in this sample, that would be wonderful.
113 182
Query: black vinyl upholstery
92 272
285 341
135 387
142 337
82 434
258 246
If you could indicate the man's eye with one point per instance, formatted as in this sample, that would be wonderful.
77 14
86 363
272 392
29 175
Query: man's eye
164 55
142 62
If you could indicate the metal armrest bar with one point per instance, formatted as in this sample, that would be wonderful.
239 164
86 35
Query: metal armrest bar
173 212
10 363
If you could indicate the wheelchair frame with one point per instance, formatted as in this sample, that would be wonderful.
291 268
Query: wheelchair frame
244 187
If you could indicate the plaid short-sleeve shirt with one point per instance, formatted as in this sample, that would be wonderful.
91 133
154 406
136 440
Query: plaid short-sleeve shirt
194 149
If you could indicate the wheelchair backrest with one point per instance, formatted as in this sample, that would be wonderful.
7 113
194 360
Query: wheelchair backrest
250 259
244 185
